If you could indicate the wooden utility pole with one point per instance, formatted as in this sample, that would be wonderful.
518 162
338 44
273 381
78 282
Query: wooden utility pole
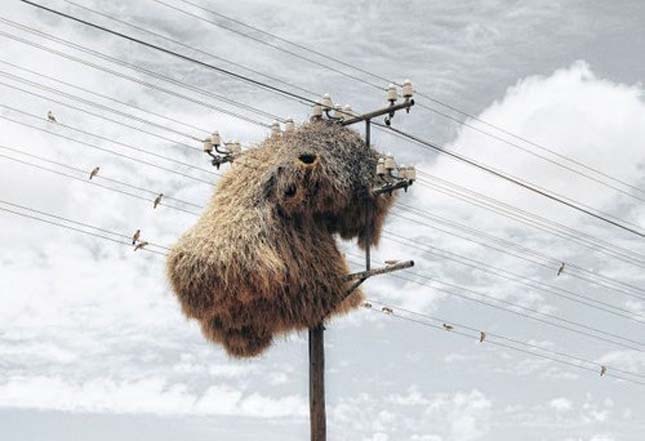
317 413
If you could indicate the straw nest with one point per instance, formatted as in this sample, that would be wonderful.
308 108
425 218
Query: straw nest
262 259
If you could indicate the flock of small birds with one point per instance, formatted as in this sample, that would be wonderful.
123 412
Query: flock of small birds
139 244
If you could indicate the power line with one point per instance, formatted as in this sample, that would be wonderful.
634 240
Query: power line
171 52
534 311
136 80
520 138
504 345
409 136
488 335
114 100
524 308
527 314
419 93
140 69
88 102
263 42
549 288
80 224
552 263
113 141
174 142
186 46
97 184
112 152
101 176
515 181
549 160
538 222
78 230
517 278
489 341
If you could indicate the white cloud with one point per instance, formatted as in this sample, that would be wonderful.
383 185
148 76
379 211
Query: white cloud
561 404
151 395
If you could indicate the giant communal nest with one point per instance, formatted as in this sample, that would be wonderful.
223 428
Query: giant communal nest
262 259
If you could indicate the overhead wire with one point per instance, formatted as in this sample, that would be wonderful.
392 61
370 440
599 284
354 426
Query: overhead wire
259 40
78 223
518 182
516 278
101 176
529 313
513 248
193 48
398 83
416 139
112 152
78 230
528 218
506 346
489 334
28 2
392 308
97 184
183 210
114 100
135 80
172 53
174 142
137 68
113 141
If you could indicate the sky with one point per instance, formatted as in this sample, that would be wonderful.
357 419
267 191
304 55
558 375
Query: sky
93 344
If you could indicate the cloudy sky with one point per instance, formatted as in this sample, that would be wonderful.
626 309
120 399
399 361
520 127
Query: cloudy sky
92 343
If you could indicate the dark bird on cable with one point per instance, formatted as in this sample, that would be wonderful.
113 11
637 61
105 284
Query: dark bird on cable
482 336
94 172
367 305
603 370
448 327
51 117
140 245
135 237
561 269
157 200
387 310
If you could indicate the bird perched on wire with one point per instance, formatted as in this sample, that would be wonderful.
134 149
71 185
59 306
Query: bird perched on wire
387 310
561 269
367 305
482 336
140 245
391 262
94 172
51 117
603 370
157 200
448 327
135 237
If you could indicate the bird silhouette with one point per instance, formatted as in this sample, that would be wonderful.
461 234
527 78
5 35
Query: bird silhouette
448 327
603 370
51 117
94 172
140 245
367 305
482 336
561 269
387 310
135 237
157 200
